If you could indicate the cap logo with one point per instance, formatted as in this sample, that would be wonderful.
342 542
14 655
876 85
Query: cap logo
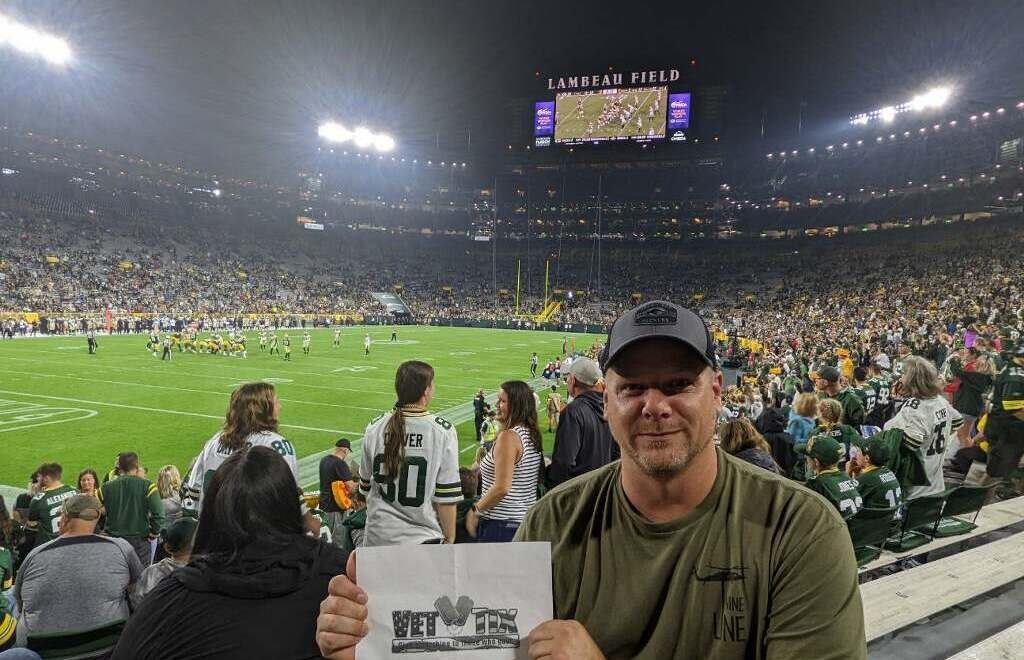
656 314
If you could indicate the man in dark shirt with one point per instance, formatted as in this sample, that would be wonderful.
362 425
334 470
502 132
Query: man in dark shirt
583 441
479 409
334 468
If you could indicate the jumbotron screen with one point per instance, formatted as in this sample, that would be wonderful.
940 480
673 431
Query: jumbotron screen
602 115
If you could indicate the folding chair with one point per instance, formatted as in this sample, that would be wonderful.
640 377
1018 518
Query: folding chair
869 529
918 525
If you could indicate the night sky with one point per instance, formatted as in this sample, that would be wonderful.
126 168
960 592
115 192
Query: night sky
239 87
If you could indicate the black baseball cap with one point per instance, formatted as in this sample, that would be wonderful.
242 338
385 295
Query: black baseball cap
659 319
343 443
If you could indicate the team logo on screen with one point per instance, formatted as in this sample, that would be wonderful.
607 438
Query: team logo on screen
465 628
543 112
679 104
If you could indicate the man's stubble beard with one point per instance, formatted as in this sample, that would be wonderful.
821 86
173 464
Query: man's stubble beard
664 467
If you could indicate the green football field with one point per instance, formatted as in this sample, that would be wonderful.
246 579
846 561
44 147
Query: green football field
58 403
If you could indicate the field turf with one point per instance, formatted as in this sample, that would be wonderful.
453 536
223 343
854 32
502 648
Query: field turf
58 403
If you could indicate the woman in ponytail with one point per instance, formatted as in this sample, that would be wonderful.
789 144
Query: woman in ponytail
409 472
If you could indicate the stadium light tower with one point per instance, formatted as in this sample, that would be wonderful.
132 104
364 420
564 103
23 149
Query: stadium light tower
934 98
362 137
30 41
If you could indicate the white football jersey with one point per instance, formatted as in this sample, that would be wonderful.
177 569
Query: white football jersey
929 426
401 511
214 454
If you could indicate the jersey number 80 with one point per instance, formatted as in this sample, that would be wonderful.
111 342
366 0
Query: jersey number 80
386 485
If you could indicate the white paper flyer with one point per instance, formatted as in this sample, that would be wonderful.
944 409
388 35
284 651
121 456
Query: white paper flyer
466 601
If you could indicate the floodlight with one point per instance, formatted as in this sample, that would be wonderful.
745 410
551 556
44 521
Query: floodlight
935 97
30 41
362 137
887 114
384 143
334 132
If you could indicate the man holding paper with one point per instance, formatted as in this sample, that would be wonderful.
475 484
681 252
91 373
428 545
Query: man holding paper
678 550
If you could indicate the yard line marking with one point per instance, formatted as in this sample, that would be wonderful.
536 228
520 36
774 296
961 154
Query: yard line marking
168 387
194 374
43 412
254 367
163 410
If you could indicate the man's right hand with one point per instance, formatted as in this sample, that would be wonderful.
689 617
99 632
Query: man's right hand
342 621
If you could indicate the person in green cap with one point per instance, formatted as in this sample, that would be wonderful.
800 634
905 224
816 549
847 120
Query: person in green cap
837 487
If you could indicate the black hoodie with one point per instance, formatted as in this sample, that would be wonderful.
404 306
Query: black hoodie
262 605
772 425
583 441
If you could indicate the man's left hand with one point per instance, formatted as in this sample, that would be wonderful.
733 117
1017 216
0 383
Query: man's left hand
563 640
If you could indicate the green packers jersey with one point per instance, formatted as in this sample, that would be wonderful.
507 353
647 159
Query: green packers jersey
882 388
6 574
839 489
868 396
879 488
7 625
1008 390
45 512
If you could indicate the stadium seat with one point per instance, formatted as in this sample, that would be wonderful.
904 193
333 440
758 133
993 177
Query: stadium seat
918 525
962 501
869 530
85 643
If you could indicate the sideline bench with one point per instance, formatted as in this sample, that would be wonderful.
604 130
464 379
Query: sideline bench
897 601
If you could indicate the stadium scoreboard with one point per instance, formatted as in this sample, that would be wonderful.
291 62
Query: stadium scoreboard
636 106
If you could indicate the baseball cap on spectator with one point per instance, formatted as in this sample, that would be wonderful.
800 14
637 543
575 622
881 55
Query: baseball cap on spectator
659 319
343 444
831 374
877 451
585 371
179 534
823 448
83 507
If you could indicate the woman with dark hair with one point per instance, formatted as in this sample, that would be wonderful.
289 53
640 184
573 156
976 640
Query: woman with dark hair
255 581
409 472
88 482
510 470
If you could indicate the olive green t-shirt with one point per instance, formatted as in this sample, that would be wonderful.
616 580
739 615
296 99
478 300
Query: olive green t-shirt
762 569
